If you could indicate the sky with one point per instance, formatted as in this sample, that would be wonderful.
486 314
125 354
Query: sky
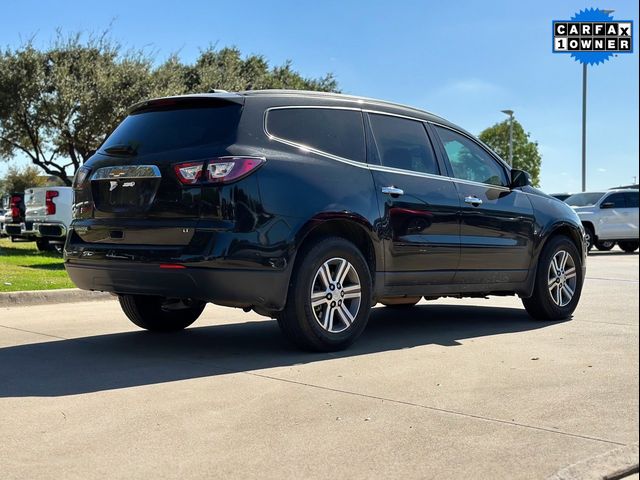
463 60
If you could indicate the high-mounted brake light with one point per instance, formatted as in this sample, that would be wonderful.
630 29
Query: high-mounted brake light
218 171
49 196
188 173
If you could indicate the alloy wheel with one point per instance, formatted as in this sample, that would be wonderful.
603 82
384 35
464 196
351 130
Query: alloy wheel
335 295
562 278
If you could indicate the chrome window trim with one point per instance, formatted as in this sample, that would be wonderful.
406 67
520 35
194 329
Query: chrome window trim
369 166
106 173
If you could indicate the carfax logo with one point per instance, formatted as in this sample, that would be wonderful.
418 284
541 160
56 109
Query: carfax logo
592 36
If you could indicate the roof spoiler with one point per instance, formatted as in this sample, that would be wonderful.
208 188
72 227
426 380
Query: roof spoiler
217 98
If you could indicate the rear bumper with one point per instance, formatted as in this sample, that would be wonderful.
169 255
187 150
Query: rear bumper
234 288
12 229
50 230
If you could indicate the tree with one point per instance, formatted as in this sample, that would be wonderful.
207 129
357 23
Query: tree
525 152
58 105
19 179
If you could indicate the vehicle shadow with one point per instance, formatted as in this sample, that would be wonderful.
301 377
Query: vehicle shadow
121 360
46 266
596 253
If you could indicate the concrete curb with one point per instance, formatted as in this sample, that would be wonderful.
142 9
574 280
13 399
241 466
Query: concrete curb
615 464
44 297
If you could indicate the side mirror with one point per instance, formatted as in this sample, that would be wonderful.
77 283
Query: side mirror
519 178
607 205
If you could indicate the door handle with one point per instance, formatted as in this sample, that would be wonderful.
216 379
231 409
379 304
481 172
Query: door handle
394 191
473 200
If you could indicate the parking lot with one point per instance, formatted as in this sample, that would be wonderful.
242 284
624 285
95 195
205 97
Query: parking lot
449 389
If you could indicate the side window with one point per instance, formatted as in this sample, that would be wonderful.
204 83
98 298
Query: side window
334 131
632 199
404 144
469 161
617 199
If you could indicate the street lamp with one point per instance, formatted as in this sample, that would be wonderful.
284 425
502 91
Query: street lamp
510 113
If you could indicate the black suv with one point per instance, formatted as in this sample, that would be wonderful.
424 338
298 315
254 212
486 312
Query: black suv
310 208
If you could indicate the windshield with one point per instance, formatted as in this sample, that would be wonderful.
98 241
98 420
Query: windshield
584 199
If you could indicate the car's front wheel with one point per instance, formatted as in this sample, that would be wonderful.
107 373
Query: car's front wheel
329 297
628 246
558 281
160 314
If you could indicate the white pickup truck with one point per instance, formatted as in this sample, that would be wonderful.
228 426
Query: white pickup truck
48 215
608 218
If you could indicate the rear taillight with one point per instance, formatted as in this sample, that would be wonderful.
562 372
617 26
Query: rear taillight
217 171
15 208
81 177
49 196
188 173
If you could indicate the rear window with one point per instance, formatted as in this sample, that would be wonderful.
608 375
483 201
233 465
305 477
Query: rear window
153 131
334 131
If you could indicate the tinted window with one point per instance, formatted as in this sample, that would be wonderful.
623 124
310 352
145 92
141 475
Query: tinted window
334 131
632 199
469 161
584 199
403 143
159 130
617 199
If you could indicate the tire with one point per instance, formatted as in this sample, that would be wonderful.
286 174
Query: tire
159 314
400 303
629 246
605 245
43 245
541 305
327 326
589 236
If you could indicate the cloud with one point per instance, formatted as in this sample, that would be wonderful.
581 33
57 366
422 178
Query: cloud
602 169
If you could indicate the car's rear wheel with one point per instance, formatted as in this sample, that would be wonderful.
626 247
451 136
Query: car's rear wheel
160 314
558 283
589 236
628 246
605 245
43 245
329 297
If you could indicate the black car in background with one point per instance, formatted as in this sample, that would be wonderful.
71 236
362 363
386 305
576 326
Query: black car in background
310 208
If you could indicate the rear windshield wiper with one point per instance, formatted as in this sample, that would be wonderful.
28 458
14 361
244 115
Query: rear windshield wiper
121 149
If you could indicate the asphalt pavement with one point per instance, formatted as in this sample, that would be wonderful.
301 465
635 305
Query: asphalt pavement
449 389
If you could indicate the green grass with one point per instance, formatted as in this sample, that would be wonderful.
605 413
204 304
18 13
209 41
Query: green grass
23 267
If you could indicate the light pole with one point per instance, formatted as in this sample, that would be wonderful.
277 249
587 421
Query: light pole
584 127
510 113
584 118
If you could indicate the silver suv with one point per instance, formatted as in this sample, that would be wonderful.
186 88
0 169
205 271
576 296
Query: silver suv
608 218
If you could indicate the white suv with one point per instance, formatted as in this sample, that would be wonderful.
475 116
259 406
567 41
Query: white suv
608 217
